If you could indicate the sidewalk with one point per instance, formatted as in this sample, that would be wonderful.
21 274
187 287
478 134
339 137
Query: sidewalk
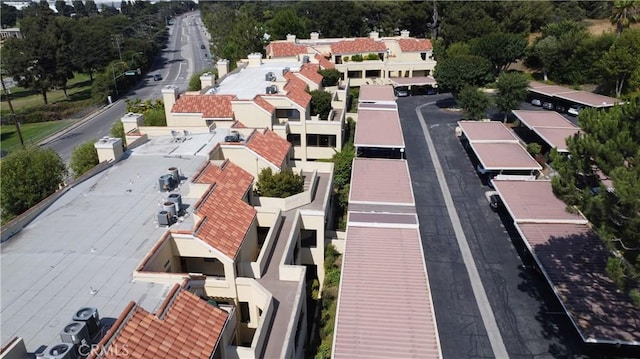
73 126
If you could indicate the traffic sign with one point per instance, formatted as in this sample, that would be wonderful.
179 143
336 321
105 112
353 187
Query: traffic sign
130 73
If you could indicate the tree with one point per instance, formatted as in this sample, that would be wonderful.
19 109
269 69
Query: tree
286 22
8 15
83 158
63 9
458 49
473 102
279 185
512 89
330 77
547 51
79 8
320 103
621 62
117 130
500 49
455 73
342 162
194 82
625 13
28 176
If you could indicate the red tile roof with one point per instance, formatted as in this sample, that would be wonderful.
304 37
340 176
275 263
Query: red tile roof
300 97
226 218
310 71
211 106
238 124
270 146
189 327
285 49
358 46
324 63
409 45
294 81
260 101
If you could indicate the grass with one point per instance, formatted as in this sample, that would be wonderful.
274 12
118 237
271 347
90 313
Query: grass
31 132
78 88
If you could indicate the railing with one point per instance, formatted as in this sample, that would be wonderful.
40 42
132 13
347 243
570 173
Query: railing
258 267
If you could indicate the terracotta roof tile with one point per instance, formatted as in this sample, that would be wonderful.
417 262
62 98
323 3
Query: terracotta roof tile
294 81
285 49
211 106
409 45
324 63
300 97
310 71
270 146
190 325
226 218
260 101
238 124
358 46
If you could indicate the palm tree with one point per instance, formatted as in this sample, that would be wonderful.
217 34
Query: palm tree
625 13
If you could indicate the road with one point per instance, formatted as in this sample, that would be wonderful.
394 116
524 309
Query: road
527 316
181 58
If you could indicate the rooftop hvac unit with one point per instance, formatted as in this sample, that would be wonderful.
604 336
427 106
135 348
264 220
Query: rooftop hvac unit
274 88
166 182
285 70
170 208
164 218
61 351
268 90
90 316
177 199
305 59
270 76
175 174
76 333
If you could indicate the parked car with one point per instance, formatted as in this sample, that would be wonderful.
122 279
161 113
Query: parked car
234 136
561 108
495 202
547 105
202 47
432 91
157 77
536 102
402 91
574 110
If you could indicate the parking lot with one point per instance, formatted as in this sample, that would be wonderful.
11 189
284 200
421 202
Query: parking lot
530 320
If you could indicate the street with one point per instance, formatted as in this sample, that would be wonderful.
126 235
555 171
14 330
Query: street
177 62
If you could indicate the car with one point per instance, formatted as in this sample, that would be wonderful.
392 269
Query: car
402 91
574 110
561 108
495 202
432 91
234 136
202 47
547 105
157 77
536 102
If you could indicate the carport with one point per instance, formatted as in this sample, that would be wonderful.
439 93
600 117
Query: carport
550 126
573 260
570 96
411 82
497 149
379 134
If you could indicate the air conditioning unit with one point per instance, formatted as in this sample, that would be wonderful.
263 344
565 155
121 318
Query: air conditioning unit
270 76
166 183
76 333
90 317
164 218
61 351
285 70
274 89
177 199
305 59
269 90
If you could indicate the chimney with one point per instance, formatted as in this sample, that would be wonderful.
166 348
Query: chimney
255 59
169 96
404 34
374 35
291 38
109 149
314 35
131 121
223 67
206 80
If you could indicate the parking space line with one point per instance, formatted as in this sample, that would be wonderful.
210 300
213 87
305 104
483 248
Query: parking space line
488 318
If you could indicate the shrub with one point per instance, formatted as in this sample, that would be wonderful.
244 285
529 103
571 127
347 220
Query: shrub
534 149
320 103
372 57
356 58
83 158
279 185
345 59
330 77
117 130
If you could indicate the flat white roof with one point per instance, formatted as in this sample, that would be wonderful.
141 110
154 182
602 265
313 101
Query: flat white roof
83 249
250 81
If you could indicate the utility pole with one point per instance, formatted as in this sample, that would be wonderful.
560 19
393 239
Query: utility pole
116 41
13 113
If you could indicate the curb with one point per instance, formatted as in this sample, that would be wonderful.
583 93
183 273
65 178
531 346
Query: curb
73 126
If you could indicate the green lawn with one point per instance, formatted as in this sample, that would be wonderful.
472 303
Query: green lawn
78 88
31 132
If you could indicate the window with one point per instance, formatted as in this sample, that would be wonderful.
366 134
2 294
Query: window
244 312
288 113
308 238
315 140
294 139
423 55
